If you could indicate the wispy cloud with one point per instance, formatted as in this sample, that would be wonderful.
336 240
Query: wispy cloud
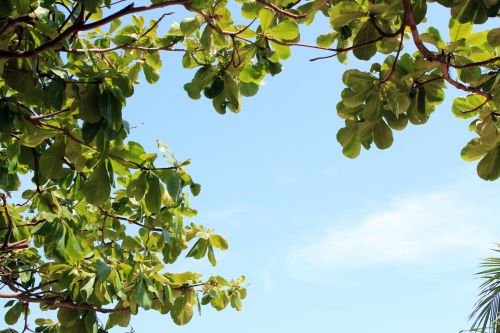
228 214
416 229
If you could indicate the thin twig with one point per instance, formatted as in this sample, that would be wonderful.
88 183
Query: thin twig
395 62
10 229
280 10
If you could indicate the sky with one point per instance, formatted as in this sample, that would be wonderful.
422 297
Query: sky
386 243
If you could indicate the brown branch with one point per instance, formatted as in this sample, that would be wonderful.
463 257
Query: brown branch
431 57
19 245
124 47
350 48
68 18
410 19
347 49
393 67
44 116
114 3
461 86
68 134
46 46
60 303
26 312
418 84
10 229
130 220
479 63
129 46
130 9
476 108
280 10
373 20
28 19
80 26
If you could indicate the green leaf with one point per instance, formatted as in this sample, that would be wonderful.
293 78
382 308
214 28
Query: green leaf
249 89
345 12
236 301
36 138
68 317
494 37
350 142
55 92
373 109
153 196
138 185
215 88
110 108
233 93
282 51
141 294
211 256
120 318
98 186
189 25
266 17
218 242
89 105
382 135
74 250
199 249
195 189
489 166
51 161
19 78
474 150
474 11
102 270
13 314
91 322
152 75
459 30
341 20
174 183
285 30
366 35
462 106
206 39
326 40
6 8
419 10
182 310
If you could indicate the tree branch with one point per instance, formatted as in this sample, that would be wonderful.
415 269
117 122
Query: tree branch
393 67
60 303
431 57
124 47
80 26
347 49
10 229
28 19
280 10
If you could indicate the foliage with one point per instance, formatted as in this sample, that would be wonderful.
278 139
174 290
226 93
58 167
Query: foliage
103 219
487 310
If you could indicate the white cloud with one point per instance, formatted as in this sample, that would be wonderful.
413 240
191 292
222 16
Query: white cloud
227 214
416 229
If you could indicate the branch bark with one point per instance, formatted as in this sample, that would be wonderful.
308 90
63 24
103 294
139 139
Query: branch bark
60 303
431 57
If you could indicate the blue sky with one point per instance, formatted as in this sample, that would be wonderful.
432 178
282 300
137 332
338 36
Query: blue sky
388 242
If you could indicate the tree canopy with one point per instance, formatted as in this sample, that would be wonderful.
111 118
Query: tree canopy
101 219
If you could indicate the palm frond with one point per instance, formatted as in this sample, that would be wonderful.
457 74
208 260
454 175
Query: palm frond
486 313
